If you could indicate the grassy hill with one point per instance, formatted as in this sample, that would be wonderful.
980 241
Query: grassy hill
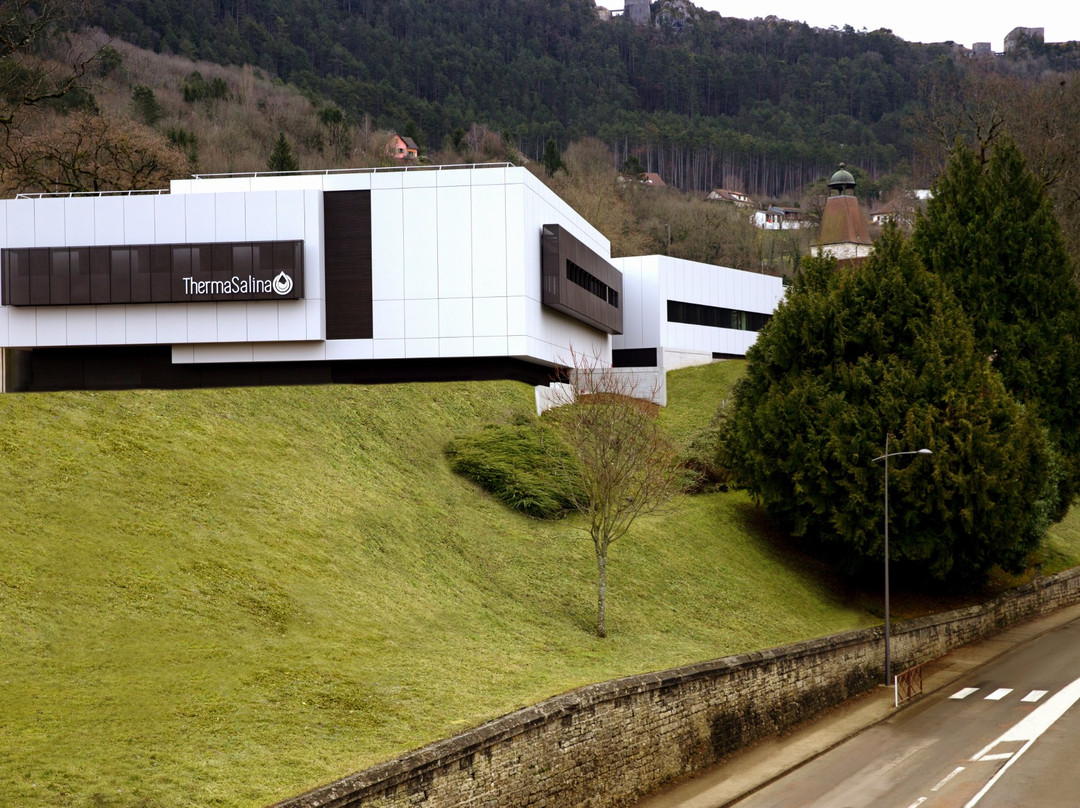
224 597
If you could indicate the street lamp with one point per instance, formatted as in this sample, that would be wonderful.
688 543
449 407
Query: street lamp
885 457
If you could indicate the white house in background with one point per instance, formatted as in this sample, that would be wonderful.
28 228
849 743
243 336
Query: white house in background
352 276
777 218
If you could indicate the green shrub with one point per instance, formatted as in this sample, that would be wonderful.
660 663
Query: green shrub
513 463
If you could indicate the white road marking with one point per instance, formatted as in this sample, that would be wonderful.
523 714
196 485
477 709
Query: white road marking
998 756
1034 696
999 694
1028 730
917 802
947 778
963 694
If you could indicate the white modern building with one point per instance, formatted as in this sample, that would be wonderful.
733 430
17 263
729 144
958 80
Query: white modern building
679 313
351 276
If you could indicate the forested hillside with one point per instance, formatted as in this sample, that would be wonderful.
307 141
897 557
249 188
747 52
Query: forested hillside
767 105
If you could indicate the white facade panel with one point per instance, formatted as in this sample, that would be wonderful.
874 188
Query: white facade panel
521 231
489 316
421 319
111 325
389 349
262 321
421 247
489 244
291 219
314 319
141 325
231 322
347 182
490 176
355 349
51 326
387 179
170 213
456 317
490 346
200 212
211 354
22 327
288 352
109 220
421 348
172 323
454 178
260 216
139 220
20 224
202 322
82 325
230 216
454 247
79 222
49 223
456 346
387 246
388 319
311 233
292 323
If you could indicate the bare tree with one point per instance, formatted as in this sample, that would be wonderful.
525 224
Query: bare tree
34 65
88 152
620 466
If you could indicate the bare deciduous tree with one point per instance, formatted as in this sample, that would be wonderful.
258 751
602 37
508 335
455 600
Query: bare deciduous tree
622 464
88 152
29 30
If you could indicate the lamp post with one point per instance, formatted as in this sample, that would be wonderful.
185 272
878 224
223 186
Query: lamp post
885 457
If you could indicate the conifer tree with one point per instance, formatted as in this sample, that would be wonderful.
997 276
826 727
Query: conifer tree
990 233
282 157
552 158
853 355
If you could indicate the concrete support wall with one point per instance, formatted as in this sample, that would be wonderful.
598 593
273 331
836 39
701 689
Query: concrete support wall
609 744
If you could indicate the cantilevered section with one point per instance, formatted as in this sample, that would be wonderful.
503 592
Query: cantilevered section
579 283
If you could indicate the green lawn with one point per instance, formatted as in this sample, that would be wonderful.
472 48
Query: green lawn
225 597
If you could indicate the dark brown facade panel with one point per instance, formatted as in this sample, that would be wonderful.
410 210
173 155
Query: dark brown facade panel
151 367
578 282
152 273
347 239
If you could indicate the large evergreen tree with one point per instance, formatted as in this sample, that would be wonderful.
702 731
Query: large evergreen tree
853 355
990 233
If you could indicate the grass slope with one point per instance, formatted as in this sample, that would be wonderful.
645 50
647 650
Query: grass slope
225 597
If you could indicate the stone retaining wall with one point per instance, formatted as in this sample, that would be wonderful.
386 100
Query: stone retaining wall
611 743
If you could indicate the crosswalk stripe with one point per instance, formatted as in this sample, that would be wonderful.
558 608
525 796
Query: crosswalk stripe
963 694
999 694
1034 696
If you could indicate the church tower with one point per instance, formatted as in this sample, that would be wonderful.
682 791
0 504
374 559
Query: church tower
844 233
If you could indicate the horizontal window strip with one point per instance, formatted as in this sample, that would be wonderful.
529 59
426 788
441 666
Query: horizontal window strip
715 316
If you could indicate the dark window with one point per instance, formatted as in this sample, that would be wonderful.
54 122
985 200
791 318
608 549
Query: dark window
591 284
715 316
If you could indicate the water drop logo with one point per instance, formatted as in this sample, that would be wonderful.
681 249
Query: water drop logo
282 284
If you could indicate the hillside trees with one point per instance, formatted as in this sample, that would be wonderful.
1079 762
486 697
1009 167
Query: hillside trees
774 103
990 234
28 76
854 355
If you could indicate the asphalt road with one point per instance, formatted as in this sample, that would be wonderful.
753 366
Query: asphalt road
1005 736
